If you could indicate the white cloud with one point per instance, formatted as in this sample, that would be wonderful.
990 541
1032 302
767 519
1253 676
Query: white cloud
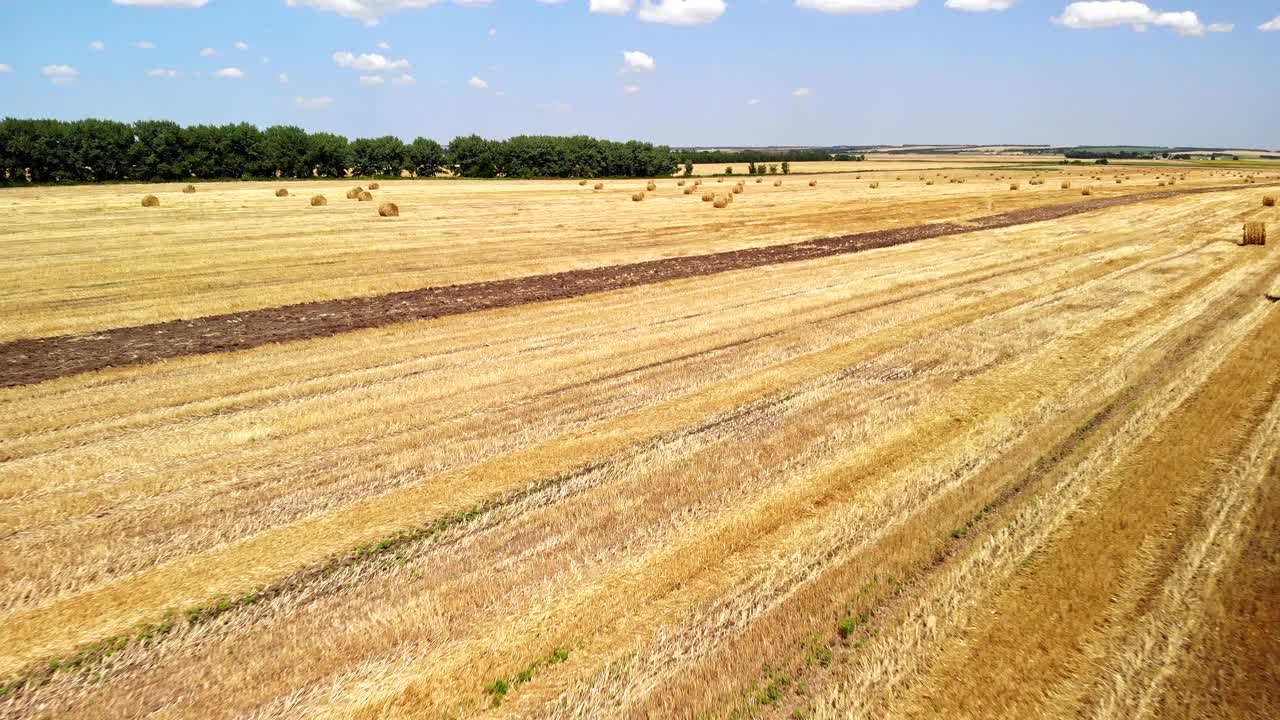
5 68
1098 14
282 78
208 52
230 73
241 45
59 74
1271 25
313 103
476 83
980 5
97 46
143 44
369 62
372 11
636 61
611 7
384 45
372 80
163 73
405 79
631 89
163 3
558 107
682 12
856 7
1220 27
753 101
801 92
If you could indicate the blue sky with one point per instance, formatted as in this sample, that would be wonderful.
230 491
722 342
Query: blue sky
699 72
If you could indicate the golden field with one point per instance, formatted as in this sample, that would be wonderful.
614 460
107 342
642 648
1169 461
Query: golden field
1024 472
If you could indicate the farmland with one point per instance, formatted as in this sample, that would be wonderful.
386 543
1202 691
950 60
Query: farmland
1019 468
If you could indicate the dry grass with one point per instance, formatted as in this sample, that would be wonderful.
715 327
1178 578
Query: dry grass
189 189
1047 427
318 201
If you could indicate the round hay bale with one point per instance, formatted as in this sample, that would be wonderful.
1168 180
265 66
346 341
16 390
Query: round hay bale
599 186
375 186
1255 233
777 183
759 180
721 202
388 209
696 183
318 200
637 196
688 190
1087 191
354 193
1013 186
651 186
189 189
282 193
582 182
813 183
680 183
736 189
928 182
150 201
365 196
1066 184
1269 201
708 196
875 185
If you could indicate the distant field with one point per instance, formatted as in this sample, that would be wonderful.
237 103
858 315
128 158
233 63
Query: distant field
875 163
1024 470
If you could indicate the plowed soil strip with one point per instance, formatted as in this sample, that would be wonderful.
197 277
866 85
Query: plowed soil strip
29 361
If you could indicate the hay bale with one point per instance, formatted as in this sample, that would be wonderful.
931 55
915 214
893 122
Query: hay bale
599 186
1087 191
1255 233
1066 184
150 201
1013 186
680 183
651 186
1269 201
282 193
318 200
777 183
928 182
688 190
189 189
736 189
365 196
388 209
375 186
813 183
696 183
721 202
759 180
582 182
637 197
875 185
354 193
708 196
1274 293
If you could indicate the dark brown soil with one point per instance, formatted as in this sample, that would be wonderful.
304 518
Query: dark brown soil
29 361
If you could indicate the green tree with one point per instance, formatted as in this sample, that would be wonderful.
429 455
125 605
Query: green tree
287 151
786 168
157 152
329 155
426 157
728 170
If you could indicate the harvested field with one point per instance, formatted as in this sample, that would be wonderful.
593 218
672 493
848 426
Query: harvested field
974 454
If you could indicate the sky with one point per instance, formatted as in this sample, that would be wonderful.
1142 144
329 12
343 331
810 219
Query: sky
677 72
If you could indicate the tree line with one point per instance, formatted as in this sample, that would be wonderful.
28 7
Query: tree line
50 151
741 156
